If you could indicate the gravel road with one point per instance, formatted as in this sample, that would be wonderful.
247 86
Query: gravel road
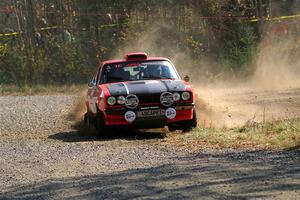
233 107
43 157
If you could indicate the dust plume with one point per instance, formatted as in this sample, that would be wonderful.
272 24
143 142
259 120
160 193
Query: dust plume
271 92
78 109
278 62
164 40
76 115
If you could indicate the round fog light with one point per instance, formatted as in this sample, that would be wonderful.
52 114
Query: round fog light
121 100
170 113
130 116
176 96
111 101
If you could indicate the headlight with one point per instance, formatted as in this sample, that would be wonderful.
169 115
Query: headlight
186 96
111 101
176 96
121 100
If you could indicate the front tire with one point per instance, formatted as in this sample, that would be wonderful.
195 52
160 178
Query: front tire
172 128
185 126
87 127
89 120
100 124
191 124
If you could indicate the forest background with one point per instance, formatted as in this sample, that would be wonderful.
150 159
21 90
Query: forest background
62 41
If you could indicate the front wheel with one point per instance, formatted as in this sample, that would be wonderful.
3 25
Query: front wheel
100 124
185 126
190 124
89 120
172 128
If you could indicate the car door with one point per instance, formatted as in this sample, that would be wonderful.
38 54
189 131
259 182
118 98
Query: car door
93 92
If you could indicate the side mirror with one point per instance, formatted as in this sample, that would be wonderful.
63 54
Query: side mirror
92 83
186 78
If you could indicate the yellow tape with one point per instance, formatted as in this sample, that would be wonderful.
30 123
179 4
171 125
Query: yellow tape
9 34
275 18
109 25
48 28
287 17
112 25
17 33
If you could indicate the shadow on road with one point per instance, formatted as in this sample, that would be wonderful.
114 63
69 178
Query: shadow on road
77 136
237 175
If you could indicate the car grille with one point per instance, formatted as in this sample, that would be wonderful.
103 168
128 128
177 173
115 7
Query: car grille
149 98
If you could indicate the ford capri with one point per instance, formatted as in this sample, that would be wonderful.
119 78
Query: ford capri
140 92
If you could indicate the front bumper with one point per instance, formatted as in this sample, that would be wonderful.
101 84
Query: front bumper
115 117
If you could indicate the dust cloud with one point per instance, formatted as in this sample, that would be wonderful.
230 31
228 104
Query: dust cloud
278 63
271 92
78 109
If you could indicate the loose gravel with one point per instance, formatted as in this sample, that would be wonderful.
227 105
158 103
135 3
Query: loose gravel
36 116
43 157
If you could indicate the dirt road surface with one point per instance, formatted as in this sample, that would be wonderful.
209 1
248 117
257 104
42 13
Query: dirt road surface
43 157
231 107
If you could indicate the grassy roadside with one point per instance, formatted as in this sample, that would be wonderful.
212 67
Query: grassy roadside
40 89
276 135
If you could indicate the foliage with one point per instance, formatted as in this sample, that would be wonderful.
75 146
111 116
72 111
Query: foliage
81 33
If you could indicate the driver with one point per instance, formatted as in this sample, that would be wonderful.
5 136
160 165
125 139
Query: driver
118 74
152 71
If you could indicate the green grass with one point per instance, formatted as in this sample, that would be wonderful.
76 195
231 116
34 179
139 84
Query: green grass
40 89
280 134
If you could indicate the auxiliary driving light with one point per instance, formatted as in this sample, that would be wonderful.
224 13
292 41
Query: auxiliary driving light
131 101
166 98
111 101
121 100
176 96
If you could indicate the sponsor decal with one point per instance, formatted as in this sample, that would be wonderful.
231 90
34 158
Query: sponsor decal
170 113
130 116
133 64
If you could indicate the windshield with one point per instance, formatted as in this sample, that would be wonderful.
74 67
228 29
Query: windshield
132 71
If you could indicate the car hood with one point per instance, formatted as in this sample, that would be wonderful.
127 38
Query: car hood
145 87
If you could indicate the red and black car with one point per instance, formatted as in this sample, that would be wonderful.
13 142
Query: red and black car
140 92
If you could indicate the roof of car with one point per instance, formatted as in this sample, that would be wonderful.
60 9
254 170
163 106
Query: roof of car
138 60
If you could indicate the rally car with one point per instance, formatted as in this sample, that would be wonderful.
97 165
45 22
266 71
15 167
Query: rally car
140 92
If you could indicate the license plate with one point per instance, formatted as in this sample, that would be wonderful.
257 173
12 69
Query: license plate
150 113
